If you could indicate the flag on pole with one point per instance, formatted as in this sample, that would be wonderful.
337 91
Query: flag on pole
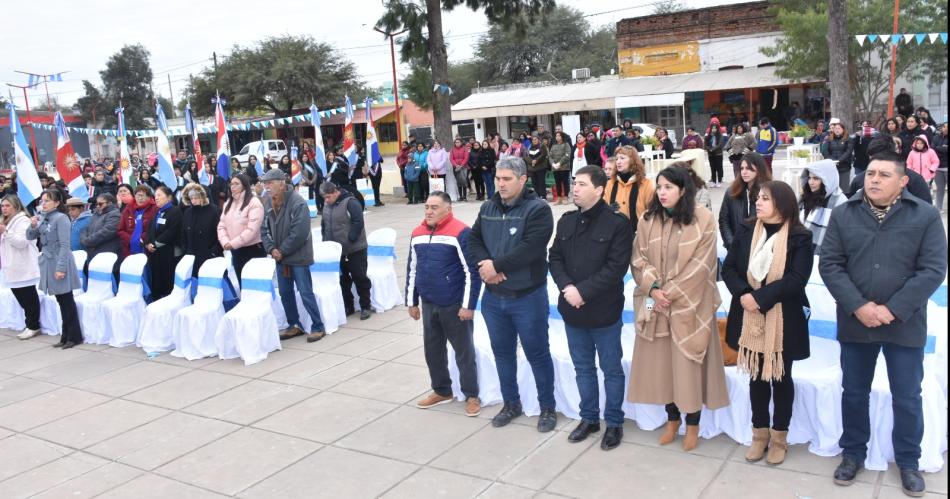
190 127
126 175
224 147
349 136
373 156
165 170
262 150
29 188
67 163
295 172
318 147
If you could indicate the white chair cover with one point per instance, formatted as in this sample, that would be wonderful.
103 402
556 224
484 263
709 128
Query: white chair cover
89 304
195 325
80 256
381 260
325 274
122 314
316 235
249 331
156 333
12 316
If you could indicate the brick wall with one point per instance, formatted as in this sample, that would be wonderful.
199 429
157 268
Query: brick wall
713 22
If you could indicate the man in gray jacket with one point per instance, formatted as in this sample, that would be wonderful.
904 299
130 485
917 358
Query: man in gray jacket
343 223
883 256
285 234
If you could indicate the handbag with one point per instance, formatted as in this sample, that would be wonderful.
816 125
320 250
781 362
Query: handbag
729 356
436 184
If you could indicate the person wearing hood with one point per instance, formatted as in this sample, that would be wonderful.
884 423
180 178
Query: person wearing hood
922 159
343 222
79 217
136 218
939 145
628 191
199 229
820 194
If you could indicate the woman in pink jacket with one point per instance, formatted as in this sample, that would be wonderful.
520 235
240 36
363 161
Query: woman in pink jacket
459 159
239 230
437 160
922 159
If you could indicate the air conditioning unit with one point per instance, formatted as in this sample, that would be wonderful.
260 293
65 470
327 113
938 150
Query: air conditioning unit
580 74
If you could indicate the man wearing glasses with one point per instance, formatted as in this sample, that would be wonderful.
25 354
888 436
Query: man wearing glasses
101 234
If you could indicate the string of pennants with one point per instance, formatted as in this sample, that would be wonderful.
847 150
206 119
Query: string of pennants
906 38
247 126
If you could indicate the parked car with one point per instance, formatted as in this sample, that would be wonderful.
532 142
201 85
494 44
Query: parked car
274 148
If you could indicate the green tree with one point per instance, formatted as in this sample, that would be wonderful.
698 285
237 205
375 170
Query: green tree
425 44
668 7
91 105
128 77
278 75
804 52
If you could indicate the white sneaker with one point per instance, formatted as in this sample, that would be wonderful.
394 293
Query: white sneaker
28 333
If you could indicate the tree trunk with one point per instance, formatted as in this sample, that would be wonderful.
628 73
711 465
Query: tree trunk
439 60
838 63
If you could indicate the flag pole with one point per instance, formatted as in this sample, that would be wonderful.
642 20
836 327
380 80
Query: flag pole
392 54
29 121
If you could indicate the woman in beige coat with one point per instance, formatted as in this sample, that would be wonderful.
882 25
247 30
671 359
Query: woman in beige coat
677 359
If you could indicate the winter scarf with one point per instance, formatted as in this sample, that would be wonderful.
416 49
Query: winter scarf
762 334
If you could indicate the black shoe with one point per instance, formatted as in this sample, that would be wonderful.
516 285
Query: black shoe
380 204
913 483
847 471
365 313
612 437
59 345
547 420
349 311
507 413
68 344
582 431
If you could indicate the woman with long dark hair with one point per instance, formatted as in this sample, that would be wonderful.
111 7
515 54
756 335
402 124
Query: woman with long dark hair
677 358
838 147
58 273
239 229
162 243
737 205
766 271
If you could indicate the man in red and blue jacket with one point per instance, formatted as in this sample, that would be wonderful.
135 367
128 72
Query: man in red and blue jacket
445 281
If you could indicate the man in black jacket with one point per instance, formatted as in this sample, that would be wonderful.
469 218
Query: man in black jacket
508 241
589 258
883 256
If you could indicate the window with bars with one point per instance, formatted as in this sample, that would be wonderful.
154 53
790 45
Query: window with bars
387 132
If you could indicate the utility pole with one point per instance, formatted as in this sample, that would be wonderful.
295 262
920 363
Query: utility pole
890 88
392 53
29 121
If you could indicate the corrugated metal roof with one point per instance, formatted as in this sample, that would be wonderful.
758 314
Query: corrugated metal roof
601 94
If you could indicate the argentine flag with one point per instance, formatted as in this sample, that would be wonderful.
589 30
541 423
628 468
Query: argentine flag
262 151
372 145
29 188
165 170
318 147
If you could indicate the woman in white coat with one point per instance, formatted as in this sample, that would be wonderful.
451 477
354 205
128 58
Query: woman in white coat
19 260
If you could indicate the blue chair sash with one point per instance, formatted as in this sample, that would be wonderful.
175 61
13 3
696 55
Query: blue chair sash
381 251
136 279
265 285
325 267
97 275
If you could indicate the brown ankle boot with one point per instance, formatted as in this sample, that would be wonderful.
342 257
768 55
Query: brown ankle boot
692 437
778 446
760 442
672 429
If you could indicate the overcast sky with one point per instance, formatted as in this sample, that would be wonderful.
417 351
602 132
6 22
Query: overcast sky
64 35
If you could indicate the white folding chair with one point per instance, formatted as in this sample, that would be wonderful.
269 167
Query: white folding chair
80 257
155 334
249 331
317 235
325 274
194 326
381 260
89 304
123 313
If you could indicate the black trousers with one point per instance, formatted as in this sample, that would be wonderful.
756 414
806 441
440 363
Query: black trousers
538 183
161 265
424 185
353 270
240 257
71 329
673 414
479 180
441 324
562 183
376 180
781 393
29 300
715 164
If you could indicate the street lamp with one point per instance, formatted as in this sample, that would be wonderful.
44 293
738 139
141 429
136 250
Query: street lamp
392 53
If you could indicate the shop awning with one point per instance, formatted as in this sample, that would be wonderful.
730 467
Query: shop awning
606 94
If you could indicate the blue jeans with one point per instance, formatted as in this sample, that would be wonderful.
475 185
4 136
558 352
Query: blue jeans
299 275
509 319
905 371
489 177
605 342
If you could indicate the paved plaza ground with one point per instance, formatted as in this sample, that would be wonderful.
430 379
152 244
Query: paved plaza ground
337 419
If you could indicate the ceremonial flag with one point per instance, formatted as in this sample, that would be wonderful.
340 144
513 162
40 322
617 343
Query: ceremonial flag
165 170
295 173
67 163
373 156
190 127
224 147
126 175
318 147
262 167
349 137
27 180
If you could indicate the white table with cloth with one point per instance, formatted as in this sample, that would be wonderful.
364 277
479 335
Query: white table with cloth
816 418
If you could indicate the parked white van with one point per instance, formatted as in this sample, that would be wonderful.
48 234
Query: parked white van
274 148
